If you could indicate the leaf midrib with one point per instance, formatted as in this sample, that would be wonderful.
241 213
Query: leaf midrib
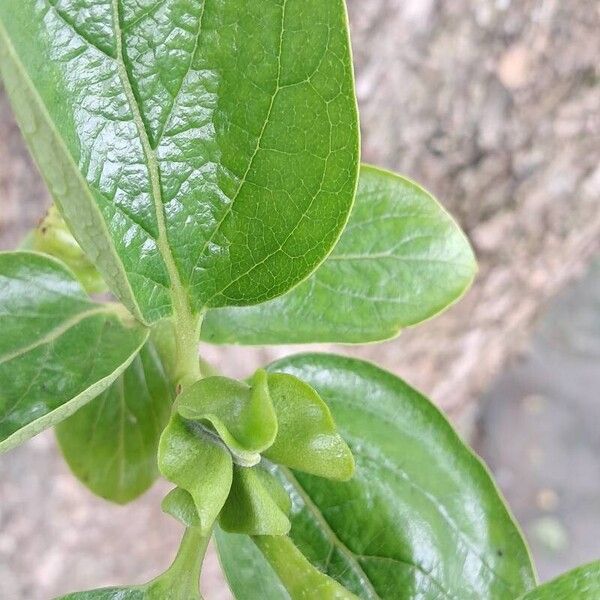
179 296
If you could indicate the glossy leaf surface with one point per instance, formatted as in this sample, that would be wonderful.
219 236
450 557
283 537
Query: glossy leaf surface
196 461
401 260
111 443
208 146
242 415
50 330
421 518
254 507
582 583
307 438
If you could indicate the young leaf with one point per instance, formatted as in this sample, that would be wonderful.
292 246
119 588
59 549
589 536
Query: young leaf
582 583
180 505
191 459
307 439
421 514
401 260
50 329
254 507
242 415
222 166
111 443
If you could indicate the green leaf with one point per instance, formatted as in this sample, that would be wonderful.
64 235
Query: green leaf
421 515
254 504
401 260
196 461
53 237
307 438
582 583
50 328
242 415
111 443
180 505
248 573
208 147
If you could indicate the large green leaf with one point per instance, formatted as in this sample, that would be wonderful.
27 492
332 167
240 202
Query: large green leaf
422 517
582 583
111 443
210 146
400 260
58 349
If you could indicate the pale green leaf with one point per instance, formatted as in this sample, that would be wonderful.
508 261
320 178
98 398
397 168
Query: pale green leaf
241 414
195 460
111 443
307 438
252 507
50 330
401 260
206 147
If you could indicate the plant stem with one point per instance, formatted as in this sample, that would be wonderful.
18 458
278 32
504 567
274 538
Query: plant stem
187 336
181 580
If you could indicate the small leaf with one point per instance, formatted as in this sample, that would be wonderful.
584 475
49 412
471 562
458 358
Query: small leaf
421 515
194 460
180 505
401 260
54 238
307 439
202 151
242 415
50 328
582 583
252 508
111 443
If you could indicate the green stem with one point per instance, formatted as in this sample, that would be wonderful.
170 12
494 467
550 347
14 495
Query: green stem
187 337
181 580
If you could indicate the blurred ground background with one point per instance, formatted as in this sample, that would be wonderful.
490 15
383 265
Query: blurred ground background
494 105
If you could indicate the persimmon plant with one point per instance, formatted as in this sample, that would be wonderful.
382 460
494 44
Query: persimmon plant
203 158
